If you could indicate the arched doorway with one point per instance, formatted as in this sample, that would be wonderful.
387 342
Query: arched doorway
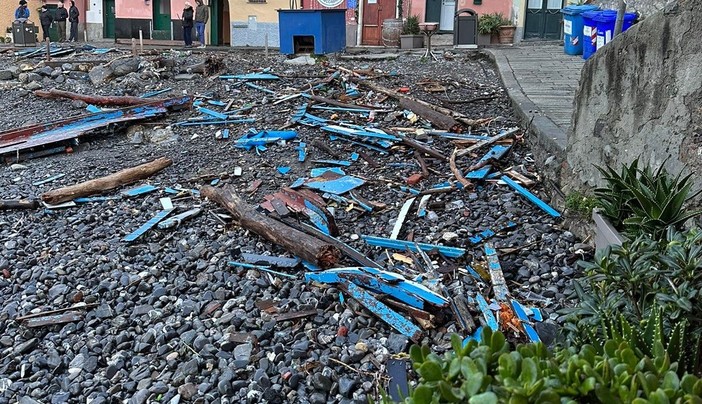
220 28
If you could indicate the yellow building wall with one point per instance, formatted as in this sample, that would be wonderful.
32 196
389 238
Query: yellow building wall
240 10
7 13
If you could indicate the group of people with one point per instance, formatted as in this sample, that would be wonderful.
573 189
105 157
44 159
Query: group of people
46 19
199 17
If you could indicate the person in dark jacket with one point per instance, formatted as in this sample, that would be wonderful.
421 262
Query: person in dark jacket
61 17
45 19
188 15
73 15
202 14
22 12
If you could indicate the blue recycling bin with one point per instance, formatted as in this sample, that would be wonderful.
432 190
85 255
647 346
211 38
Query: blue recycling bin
589 33
573 28
605 25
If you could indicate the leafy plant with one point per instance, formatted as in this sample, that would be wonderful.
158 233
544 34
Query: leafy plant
411 26
580 203
640 282
491 371
489 24
643 201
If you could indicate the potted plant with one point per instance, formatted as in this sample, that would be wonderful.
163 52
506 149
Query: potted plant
411 36
488 28
506 31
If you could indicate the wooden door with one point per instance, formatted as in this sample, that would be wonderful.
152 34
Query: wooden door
162 19
543 19
108 18
374 12
433 12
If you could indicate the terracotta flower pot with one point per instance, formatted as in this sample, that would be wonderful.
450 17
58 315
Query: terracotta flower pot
507 34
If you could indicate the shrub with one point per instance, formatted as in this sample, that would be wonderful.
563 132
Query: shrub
411 26
580 203
491 371
489 24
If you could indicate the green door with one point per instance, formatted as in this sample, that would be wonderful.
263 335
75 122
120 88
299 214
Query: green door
543 19
108 18
215 23
433 13
162 19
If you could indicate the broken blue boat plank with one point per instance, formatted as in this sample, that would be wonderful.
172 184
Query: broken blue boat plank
302 152
488 315
317 218
486 234
317 172
225 134
357 276
354 156
342 163
496 153
140 190
283 170
215 182
451 252
310 266
212 113
394 319
499 285
283 262
338 186
172 191
176 220
410 190
422 209
47 180
219 122
155 93
298 183
398 387
93 109
367 132
259 88
249 76
341 109
409 285
217 103
360 202
259 268
95 199
147 226
473 273
480 173
521 314
366 145
533 198
534 313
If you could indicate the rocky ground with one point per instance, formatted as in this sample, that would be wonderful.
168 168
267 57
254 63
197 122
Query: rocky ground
167 320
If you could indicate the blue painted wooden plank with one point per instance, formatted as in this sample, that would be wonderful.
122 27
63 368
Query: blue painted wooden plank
385 313
219 122
499 285
536 314
140 190
147 226
250 76
93 109
342 163
496 153
217 103
155 93
480 173
338 186
212 113
533 198
283 170
225 134
47 180
488 315
260 268
259 88
302 152
451 252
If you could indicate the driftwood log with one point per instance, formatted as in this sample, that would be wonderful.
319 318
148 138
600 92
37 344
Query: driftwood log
112 181
440 120
6 204
106 101
308 248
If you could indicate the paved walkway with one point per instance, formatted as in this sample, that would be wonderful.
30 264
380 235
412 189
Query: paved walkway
541 80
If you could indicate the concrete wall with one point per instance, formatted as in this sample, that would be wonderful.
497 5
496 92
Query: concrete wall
251 23
645 8
128 9
641 95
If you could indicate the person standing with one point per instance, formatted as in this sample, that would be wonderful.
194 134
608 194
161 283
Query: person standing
22 12
45 19
188 15
61 17
202 14
73 15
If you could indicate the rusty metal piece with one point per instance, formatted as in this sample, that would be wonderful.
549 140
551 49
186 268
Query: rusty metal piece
54 319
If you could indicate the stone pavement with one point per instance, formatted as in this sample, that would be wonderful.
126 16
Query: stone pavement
541 81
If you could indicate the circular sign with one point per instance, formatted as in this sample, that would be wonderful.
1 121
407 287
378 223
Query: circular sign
330 3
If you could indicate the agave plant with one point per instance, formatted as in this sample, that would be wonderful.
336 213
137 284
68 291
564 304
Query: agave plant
643 201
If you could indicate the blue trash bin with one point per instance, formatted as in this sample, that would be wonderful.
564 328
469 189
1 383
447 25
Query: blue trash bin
605 25
573 28
589 33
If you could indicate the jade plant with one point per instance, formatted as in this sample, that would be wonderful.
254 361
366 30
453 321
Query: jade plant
492 371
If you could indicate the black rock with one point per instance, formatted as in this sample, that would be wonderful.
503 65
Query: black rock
321 382
396 343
